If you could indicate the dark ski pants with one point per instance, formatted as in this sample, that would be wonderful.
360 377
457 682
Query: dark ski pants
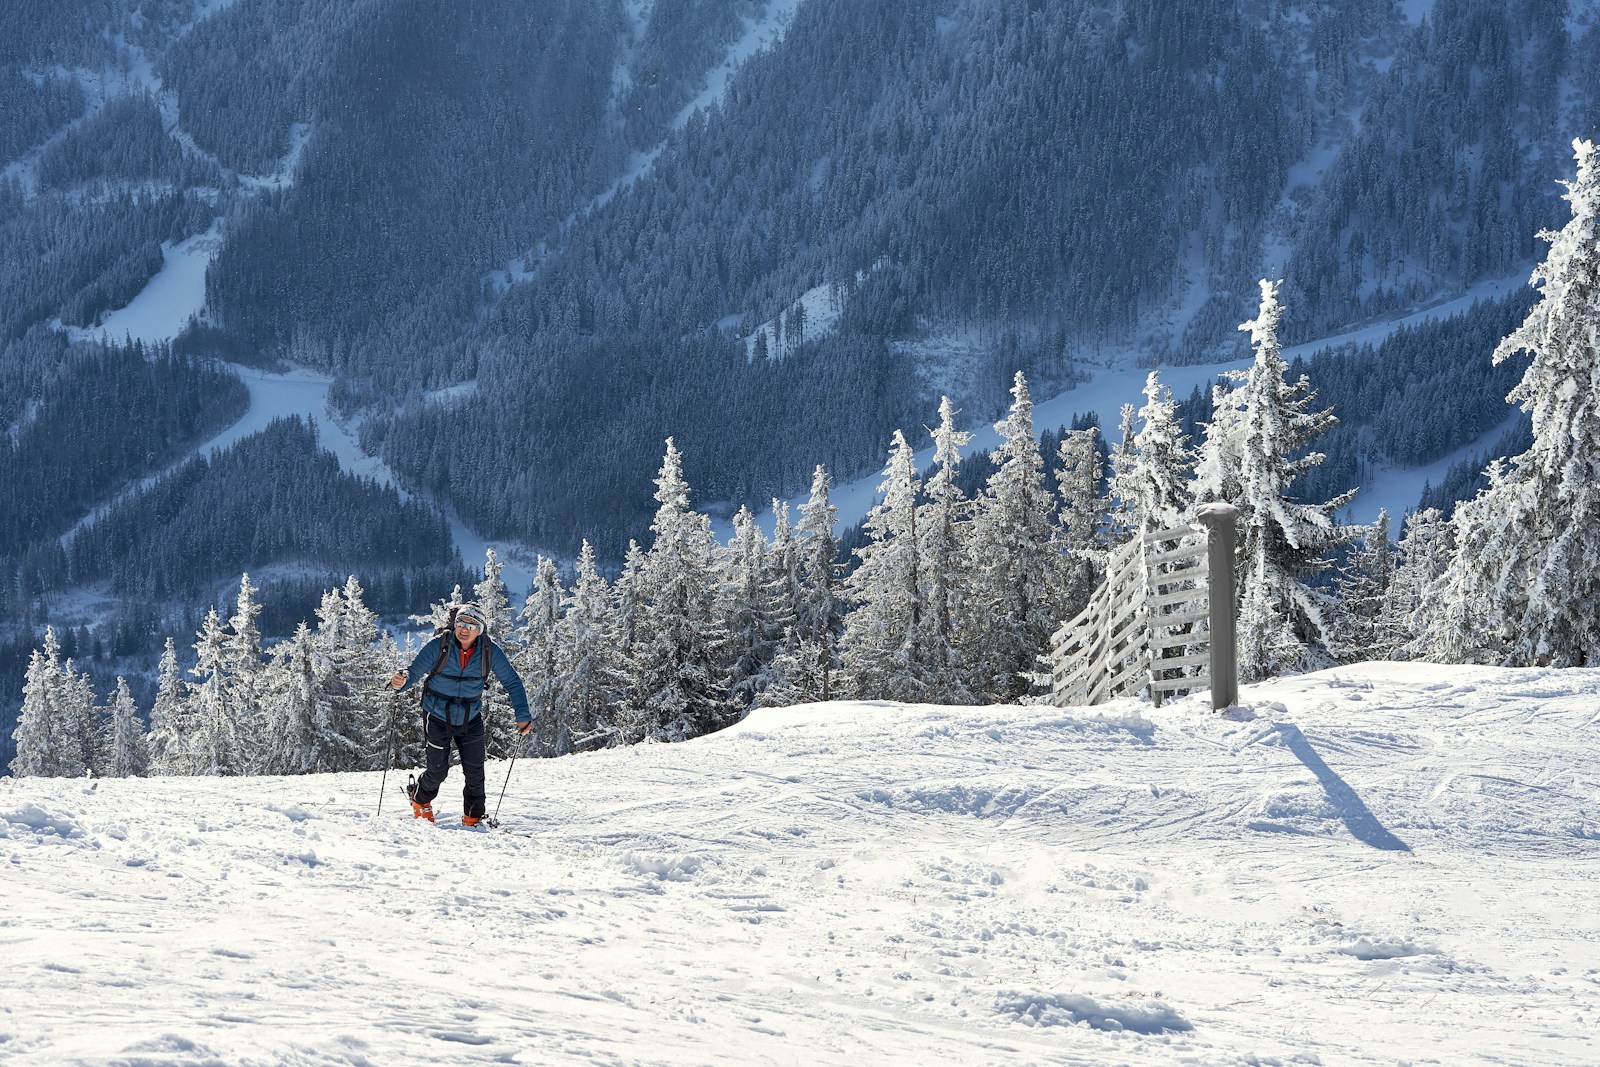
469 741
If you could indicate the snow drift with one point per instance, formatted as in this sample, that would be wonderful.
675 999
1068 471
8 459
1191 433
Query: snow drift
1373 864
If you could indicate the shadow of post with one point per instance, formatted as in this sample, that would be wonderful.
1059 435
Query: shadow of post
1357 817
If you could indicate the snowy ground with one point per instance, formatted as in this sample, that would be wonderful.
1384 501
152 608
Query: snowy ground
1380 864
163 308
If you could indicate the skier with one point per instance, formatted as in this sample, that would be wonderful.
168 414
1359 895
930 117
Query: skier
453 669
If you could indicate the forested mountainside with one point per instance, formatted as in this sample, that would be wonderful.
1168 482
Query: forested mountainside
529 242
925 164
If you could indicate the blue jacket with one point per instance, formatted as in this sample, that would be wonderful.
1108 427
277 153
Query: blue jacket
455 695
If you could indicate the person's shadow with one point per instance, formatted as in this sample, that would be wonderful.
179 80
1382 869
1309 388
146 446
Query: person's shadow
1357 817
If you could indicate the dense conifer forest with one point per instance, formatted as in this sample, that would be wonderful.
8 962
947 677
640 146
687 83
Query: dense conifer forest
275 497
107 416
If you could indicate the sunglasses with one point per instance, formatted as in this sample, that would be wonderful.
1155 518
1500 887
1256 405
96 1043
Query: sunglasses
468 624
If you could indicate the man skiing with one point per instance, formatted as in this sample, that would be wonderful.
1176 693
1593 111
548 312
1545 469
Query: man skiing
453 669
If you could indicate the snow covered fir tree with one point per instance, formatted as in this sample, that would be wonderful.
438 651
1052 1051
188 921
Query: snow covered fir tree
1523 582
1284 622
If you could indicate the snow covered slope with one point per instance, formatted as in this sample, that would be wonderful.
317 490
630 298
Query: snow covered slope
1380 864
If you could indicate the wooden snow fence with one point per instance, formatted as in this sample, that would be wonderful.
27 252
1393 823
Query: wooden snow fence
1149 627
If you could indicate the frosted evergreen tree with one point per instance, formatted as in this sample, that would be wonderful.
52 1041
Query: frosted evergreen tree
311 731
362 661
82 712
880 649
170 735
941 524
244 636
631 596
681 643
396 740
540 662
588 639
34 739
1524 584
46 736
1083 509
748 608
1155 468
1120 522
346 658
130 749
1361 590
804 671
216 746
360 637
1218 460
490 594
1424 552
1078 478
290 733
822 615
330 619
437 617
1154 474
1283 620
781 577
341 659
246 673
1019 571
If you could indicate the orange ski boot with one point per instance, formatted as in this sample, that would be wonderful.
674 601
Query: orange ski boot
418 811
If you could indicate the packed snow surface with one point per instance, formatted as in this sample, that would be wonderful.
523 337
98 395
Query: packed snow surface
1380 864
165 306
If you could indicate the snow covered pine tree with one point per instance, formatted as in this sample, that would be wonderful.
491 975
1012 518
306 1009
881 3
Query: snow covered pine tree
1523 586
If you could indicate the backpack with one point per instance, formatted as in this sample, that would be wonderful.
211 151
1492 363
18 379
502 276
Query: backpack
447 631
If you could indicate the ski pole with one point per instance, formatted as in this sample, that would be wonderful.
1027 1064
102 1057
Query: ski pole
495 821
383 785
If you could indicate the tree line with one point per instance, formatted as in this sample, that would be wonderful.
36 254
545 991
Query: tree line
127 141
34 109
952 599
274 496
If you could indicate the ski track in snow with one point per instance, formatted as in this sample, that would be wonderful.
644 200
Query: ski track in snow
1382 863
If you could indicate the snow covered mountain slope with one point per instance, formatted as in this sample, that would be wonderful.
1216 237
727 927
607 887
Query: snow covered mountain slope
1384 863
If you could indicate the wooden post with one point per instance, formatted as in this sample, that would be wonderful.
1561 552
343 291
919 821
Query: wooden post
1221 533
